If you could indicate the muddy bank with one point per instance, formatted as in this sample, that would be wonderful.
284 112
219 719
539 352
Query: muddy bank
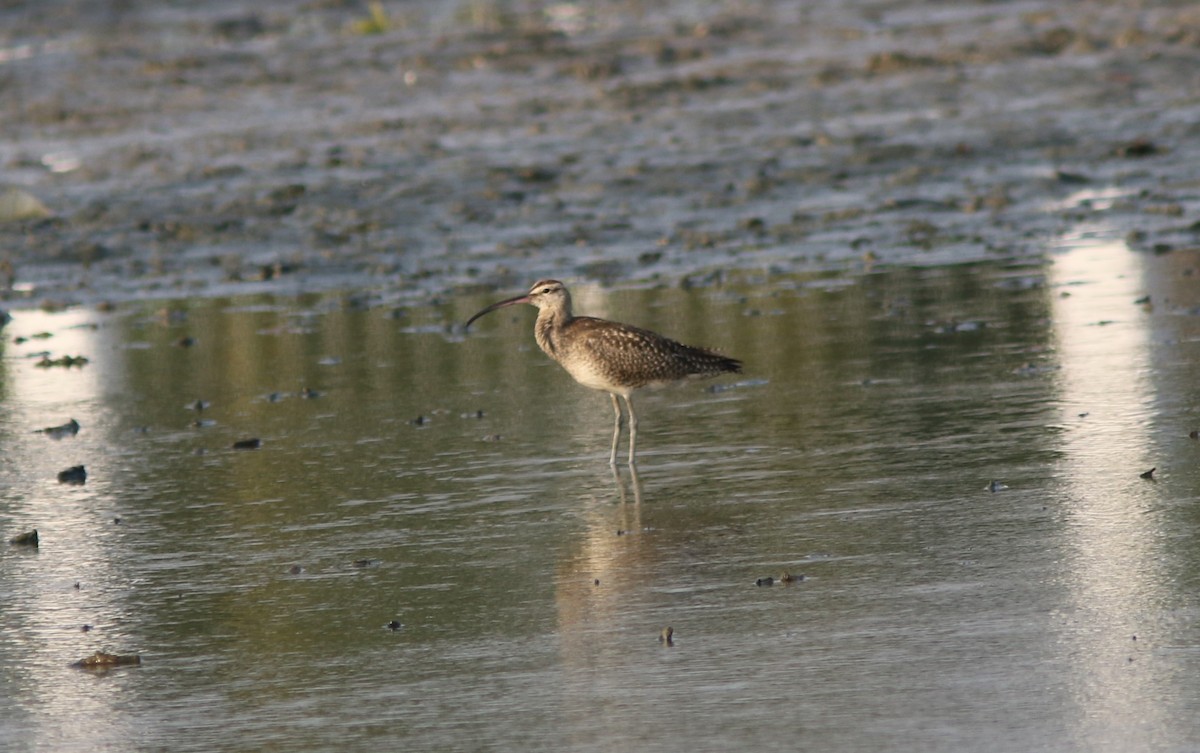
209 149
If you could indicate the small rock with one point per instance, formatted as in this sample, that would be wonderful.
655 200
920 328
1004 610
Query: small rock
76 475
29 538
16 204
69 429
101 660
65 362
1139 147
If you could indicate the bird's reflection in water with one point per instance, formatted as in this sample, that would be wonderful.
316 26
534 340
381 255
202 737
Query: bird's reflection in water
635 484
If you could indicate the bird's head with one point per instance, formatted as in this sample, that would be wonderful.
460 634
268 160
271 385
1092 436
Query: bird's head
545 294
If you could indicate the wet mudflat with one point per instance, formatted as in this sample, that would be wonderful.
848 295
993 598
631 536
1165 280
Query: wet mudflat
427 547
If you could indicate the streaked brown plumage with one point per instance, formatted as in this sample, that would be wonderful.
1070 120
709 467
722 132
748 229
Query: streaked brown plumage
609 356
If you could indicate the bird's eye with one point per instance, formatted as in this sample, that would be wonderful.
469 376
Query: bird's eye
545 290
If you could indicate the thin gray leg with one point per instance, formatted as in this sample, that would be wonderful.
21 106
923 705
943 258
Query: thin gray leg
632 431
612 458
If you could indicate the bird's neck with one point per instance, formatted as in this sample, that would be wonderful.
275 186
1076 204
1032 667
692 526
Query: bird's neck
548 328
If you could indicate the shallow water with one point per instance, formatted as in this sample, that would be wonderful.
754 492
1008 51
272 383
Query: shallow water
1057 613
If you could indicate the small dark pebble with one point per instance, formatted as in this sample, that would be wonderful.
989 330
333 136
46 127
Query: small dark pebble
1194 434
65 362
420 421
29 538
86 628
116 521
69 429
101 660
1070 178
767 581
1150 473
76 475
247 444
1139 147
394 625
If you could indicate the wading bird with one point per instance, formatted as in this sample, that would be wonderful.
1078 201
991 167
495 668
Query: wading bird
609 356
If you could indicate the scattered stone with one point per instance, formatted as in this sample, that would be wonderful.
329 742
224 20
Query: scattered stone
1139 147
69 429
101 660
65 362
29 538
16 205
76 475
1071 178
247 444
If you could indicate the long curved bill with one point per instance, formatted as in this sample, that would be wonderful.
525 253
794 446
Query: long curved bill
500 305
